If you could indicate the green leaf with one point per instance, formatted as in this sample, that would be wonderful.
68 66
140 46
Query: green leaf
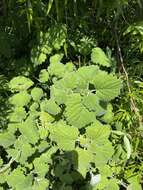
108 184
46 118
99 57
98 135
17 180
40 168
29 131
65 136
108 116
92 102
85 75
43 76
20 83
40 184
20 99
43 132
7 139
56 68
134 183
76 113
1 162
37 94
24 148
18 114
50 106
107 86
127 146
84 159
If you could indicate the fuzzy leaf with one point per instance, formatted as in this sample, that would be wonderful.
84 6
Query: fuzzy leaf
44 76
17 180
18 115
107 86
76 113
93 104
99 57
37 93
50 106
20 99
64 135
84 159
29 131
98 134
6 139
20 83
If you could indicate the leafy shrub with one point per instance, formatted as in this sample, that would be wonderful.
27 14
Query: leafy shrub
60 140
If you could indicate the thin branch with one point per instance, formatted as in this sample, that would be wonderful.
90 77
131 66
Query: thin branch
132 100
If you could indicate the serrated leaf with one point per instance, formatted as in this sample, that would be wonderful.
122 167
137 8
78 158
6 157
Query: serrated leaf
1 162
84 159
7 139
99 57
43 132
25 150
43 76
92 102
59 95
20 99
17 180
108 116
43 146
85 74
18 115
107 86
40 168
20 83
50 106
46 118
38 57
76 113
58 69
29 131
98 135
34 106
36 93
65 136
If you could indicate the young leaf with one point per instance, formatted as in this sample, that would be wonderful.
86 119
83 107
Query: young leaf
37 94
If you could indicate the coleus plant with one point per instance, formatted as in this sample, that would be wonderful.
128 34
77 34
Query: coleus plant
58 132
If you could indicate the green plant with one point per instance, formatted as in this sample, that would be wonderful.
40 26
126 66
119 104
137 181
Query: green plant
51 139
63 124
